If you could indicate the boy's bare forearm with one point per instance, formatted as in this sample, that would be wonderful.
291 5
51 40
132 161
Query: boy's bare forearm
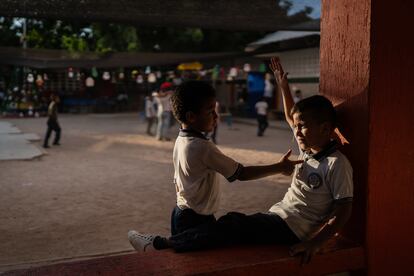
338 218
336 222
287 103
284 166
256 172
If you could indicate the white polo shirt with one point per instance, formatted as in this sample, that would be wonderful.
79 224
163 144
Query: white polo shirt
196 161
316 184
261 107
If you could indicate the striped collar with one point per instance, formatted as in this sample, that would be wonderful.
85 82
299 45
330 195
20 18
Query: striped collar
189 132
328 150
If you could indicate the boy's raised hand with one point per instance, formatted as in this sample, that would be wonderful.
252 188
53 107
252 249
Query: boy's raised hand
287 165
278 72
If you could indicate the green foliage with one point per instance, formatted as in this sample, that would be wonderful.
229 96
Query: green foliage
114 37
34 38
73 43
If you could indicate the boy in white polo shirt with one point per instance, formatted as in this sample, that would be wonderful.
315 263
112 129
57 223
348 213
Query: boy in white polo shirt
316 206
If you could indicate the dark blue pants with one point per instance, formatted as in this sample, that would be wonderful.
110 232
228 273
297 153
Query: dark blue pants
235 228
52 125
182 220
263 124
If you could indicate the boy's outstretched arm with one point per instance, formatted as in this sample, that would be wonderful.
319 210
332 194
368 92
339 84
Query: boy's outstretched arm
281 78
338 217
284 166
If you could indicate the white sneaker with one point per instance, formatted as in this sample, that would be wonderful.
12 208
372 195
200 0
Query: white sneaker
141 242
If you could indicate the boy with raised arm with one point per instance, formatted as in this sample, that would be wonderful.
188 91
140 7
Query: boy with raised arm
319 201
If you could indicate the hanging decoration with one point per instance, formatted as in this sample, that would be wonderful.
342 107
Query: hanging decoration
89 82
30 111
152 78
147 70
70 72
45 77
262 68
158 74
140 79
222 74
247 68
39 80
215 72
30 78
94 72
190 66
106 75
233 72
134 74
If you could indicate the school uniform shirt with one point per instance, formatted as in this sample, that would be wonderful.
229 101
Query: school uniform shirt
163 104
52 111
149 109
316 184
196 163
268 89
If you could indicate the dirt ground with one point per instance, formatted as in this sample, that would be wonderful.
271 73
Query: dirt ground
81 198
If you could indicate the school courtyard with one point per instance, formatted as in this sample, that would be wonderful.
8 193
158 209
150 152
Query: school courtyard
79 200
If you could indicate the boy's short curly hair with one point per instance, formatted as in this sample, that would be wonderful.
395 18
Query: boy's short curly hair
318 108
190 96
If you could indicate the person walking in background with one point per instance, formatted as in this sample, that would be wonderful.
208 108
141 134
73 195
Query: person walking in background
164 112
52 122
261 109
214 133
268 89
149 113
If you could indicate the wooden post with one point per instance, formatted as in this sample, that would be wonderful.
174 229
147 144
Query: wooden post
367 67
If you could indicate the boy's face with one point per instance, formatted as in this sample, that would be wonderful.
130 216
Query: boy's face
206 119
310 134
56 99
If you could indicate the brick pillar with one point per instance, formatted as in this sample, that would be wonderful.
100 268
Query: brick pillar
367 69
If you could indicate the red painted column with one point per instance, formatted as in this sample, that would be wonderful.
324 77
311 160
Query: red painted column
344 78
367 68
390 232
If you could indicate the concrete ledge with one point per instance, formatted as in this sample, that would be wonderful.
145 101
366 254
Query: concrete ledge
240 260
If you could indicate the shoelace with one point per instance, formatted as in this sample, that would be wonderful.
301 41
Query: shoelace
148 238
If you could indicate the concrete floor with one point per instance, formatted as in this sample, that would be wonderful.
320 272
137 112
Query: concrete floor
81 198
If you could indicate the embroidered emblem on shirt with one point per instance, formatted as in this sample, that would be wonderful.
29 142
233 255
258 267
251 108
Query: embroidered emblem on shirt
314 180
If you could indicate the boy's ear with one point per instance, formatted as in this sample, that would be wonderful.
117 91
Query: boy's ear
190 116
326 127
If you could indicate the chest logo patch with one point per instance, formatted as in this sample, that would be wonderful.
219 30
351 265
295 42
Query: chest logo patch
314 180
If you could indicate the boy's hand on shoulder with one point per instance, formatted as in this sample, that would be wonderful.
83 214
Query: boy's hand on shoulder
307 249
287 165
